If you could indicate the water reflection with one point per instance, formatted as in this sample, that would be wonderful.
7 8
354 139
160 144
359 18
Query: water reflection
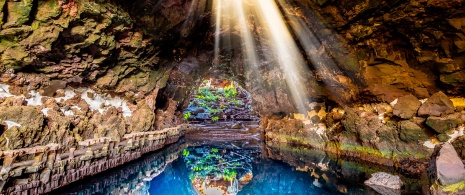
219 170
233 168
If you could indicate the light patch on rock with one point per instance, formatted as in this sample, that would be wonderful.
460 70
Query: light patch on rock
45 111
323 166
458 102
4 92
312 105
98 100
381 117
35 100
460 131
76 107
320 130
423 100
429 144
12 124
457 133
68 95
393 103
307 122
67 112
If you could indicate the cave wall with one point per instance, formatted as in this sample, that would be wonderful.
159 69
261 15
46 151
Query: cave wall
77 70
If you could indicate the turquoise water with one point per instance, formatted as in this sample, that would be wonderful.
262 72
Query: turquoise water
226 168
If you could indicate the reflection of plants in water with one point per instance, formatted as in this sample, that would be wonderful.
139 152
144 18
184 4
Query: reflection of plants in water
185 153
210 163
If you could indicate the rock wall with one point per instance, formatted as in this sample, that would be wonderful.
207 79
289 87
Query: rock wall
393 135
129 180
41 169
77 70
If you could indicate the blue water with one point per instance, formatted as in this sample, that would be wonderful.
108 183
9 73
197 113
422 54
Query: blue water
269 176
226 168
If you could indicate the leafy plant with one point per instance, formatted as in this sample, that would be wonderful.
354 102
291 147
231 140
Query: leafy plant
230 92
215 118
187 115
185 153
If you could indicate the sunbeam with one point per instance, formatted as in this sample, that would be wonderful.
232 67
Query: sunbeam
274 35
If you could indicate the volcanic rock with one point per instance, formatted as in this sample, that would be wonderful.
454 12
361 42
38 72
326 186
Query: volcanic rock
406 107
436 105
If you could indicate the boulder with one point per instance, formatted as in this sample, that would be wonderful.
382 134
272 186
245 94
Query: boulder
406 107
411 132
437 105
443 137
385 183
442 124
446 166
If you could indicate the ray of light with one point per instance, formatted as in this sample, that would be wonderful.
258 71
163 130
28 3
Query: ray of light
284 47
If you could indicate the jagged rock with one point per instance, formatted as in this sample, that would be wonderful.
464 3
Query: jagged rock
437 105
442 124
446 166
26 124
18 13
411 132
459 145
406 107
385 183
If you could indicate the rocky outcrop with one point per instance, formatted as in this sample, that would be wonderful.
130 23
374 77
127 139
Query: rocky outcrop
370 132
52 166
437 105
406 107
447 171
116 182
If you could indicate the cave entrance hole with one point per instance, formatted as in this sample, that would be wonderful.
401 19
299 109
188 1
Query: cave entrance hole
217 100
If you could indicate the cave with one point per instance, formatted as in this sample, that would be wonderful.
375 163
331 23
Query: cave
232 97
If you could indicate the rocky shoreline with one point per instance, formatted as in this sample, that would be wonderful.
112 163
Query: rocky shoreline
402 135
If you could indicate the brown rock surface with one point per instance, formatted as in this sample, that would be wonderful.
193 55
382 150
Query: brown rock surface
30 124
437 105
406 107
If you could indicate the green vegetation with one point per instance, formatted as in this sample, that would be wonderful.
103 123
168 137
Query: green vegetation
204 163
187 115
185 153
214 100
230 92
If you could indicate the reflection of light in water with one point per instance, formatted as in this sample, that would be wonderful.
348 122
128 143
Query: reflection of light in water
234 188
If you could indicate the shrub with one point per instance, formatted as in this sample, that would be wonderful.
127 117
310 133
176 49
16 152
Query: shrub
230 92
187 115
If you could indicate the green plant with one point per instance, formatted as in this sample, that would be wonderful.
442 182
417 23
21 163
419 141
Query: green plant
215 118
222 106
187 115
185 153
215 111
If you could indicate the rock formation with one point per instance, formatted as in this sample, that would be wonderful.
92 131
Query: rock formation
74 73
